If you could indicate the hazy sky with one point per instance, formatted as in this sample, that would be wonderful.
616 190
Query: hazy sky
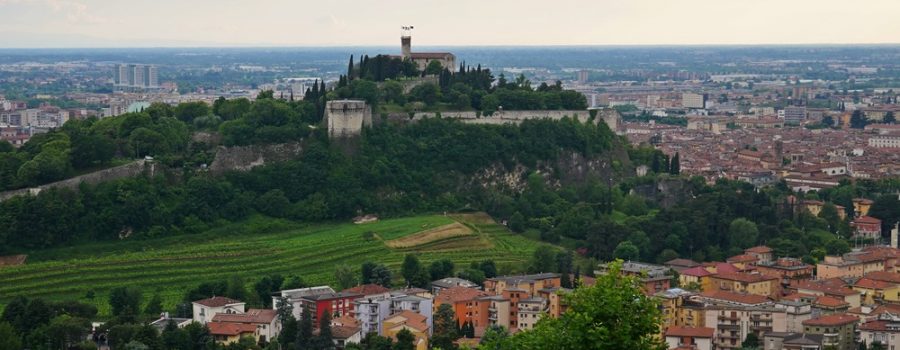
138 23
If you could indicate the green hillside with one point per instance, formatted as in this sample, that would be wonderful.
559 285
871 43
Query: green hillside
251 249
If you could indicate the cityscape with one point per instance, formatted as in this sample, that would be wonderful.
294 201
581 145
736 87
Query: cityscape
694 188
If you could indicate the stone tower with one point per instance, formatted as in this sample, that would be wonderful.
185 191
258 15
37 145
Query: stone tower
406 46
346 118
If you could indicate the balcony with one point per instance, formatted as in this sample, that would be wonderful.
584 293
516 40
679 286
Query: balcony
728 326
729 318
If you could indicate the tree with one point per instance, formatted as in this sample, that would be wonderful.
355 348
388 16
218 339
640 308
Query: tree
742 233
751 341
489 268
887 209
828 121
428 93
405 340
434 68
324 340
858 120
446 328
612 314
516 222
235 288
495 338
125 301
154 307
889 118
675 167
344 276
9 339
440 269
410 268
304 331
543 260
627 251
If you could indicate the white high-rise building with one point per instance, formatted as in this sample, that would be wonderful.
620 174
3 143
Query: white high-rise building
137 76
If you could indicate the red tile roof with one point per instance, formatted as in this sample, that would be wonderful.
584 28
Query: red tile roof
832 320
698 271
457 294
230 329
257 316
869 283
758 250
867 220
886 276
217 302
874 326
743 258
367 289
412 320
695 332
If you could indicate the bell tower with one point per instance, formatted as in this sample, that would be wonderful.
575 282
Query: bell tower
406 42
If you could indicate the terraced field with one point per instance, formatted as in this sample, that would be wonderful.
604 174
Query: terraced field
250 250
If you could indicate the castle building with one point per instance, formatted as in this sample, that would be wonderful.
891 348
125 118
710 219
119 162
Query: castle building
422 59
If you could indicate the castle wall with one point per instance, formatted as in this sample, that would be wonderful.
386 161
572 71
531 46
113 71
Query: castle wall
346 118
128 170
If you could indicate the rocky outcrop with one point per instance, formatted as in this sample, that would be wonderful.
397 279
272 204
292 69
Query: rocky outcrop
243 158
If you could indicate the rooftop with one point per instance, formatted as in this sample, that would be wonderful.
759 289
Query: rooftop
695 332
218 302
251 316
832 320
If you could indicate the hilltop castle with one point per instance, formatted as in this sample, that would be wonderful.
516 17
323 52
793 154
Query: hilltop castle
422 59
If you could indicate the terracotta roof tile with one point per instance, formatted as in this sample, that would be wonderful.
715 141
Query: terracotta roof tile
698 271
457 294
367 289
886 276
696 332
750 299
217 301
744 277
831 320
230 329
869 283
251 316
410 319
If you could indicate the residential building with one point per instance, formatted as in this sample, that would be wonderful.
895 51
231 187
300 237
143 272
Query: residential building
838 330
336 304
762 253
791 341
498 311
345 330
795 313
701 338
466 304
530 284
861 206
866 227
530 311
265 322
695 101
680 265
655 278
794 115
834 288
410 321
885 330
696 276
757 284
229 333
787 270
450 282
847 266
294 297
733 323
876 292
204 310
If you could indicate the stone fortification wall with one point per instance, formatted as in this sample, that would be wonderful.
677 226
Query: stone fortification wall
128 170
243 158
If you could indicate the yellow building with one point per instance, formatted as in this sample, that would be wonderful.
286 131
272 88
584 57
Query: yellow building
746 283
838 267
696 277
411 321
876 292
861 206
814 207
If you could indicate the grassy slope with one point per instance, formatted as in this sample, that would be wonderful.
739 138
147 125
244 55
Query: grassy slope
250 249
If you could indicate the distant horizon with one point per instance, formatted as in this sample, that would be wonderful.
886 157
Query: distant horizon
341 23
432 46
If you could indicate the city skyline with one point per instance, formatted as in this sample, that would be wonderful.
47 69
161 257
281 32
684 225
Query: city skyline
104 23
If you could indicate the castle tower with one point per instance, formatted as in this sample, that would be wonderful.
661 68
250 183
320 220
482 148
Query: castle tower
406 42
346 118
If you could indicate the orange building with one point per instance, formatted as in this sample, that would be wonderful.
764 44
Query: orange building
466 304
756 284
786 270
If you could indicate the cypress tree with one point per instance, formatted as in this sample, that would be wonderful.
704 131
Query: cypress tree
350 69
676 165
304 330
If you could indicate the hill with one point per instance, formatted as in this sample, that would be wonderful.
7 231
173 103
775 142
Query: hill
252 249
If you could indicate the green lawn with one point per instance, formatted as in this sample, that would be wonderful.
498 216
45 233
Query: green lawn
250 249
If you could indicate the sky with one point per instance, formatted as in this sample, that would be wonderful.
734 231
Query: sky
178 23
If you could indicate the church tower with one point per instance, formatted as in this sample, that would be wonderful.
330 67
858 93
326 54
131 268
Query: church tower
406 42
